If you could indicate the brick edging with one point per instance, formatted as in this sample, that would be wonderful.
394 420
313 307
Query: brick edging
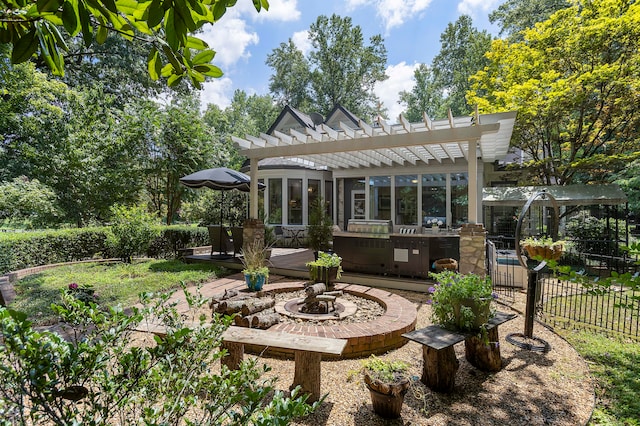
377 336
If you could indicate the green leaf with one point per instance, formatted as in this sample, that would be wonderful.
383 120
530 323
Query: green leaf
70 18
85 23
48 5
110 5
174 80
204 57
209 70
196 43
153 64
172 58
219 10
24 47
170 31
167 70
101 35
156 13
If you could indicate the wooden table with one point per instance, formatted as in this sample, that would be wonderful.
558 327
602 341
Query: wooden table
440 361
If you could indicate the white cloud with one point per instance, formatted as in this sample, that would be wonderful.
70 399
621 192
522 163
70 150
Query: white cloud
280 10
218 91
393 12
476 8
302 42
400 78
230 38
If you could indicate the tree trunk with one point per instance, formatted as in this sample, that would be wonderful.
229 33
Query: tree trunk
485 357
439 369
256 305
241 321
264 320
307 374
232 306
234 355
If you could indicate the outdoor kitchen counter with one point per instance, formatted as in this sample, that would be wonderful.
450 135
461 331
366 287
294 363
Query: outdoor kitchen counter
428 234
395 253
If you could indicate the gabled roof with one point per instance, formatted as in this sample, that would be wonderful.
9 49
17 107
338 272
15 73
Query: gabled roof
290 118
340 114
345 146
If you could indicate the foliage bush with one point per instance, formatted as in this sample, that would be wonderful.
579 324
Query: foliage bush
589 234
170 239
21 250
132 231
102 377
27 249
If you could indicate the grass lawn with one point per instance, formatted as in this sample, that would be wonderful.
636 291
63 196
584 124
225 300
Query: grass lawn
615 366
114 283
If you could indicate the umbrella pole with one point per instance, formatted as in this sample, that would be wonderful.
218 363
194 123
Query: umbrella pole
221 220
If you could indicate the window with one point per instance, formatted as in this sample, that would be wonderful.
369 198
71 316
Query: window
313 193
380 197
434 198
459 198
294 204
275 201
406 200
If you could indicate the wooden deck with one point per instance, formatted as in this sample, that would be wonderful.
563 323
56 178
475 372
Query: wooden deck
291 262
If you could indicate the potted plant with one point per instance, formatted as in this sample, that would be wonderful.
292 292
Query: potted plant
543 248
461 301
256 273
327 268
387 382
319 230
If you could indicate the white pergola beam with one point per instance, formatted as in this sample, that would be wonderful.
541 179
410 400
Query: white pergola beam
378 142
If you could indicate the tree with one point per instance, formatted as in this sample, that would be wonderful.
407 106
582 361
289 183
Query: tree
515 16
574 81
290 85
118 67
247 115
444 84
425 96
44 28
341 69
461 55
28 201
180 143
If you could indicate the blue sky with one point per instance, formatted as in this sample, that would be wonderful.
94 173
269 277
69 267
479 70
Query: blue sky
410 28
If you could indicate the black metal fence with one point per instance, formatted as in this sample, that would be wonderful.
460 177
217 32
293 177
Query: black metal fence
586 295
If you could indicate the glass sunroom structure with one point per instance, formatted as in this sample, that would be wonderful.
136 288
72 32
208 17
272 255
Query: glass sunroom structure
411 173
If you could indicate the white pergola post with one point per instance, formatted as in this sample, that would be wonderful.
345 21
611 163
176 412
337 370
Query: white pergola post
253 189
472 188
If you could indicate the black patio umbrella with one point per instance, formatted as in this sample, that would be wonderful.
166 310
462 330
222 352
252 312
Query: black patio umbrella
220 178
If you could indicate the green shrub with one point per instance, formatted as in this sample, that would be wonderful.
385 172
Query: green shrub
27 249
171 239
102 377
19 250
132 231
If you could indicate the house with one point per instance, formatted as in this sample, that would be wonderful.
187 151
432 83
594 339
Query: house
410 173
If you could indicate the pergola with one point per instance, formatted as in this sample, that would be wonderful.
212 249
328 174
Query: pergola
344 146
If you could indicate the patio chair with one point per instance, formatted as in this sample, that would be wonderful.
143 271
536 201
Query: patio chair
220 240
238 239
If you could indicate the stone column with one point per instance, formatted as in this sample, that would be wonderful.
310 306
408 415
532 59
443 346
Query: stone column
253 229
472 249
